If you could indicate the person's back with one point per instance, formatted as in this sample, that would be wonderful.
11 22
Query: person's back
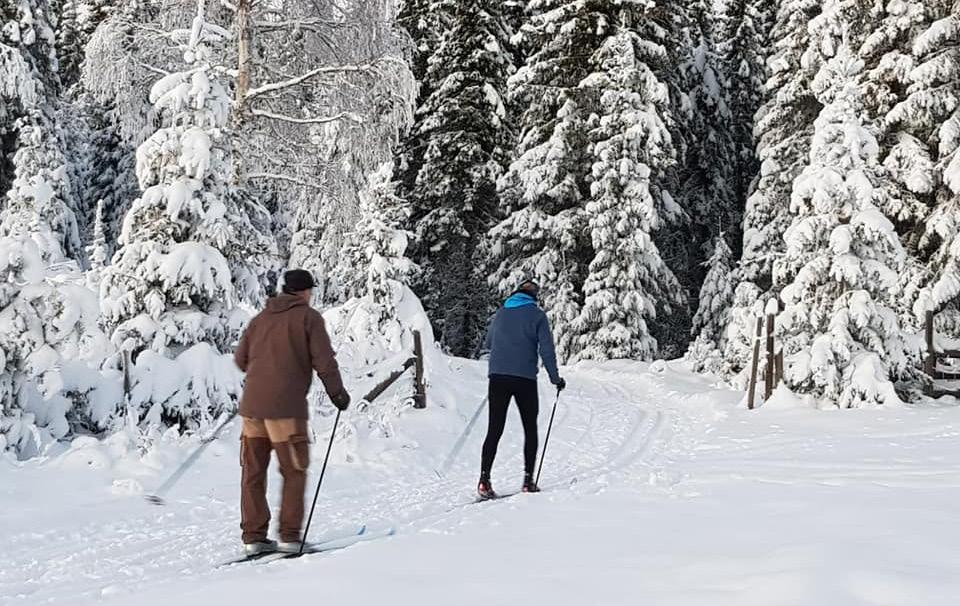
282 347
518 335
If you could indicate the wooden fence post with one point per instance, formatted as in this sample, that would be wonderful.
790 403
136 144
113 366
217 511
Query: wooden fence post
930 362
769 375
420 388
779 359
752 392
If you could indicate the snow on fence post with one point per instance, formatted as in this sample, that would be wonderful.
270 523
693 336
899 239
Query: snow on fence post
752 390
420 393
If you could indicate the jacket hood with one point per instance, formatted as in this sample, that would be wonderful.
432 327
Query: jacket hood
519 299
284 302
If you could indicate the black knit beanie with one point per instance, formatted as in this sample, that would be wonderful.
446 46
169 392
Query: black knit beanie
297 280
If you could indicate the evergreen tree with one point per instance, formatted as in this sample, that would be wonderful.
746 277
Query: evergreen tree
190 252
46 322
712 317
928 125
462 134
784 126
378 243
39 195
627 280
40 200
713 186
542 194
840 329
572 212
69 44
77 21
742 30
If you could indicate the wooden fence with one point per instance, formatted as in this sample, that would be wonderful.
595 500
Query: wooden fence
773 371
419 384
933 358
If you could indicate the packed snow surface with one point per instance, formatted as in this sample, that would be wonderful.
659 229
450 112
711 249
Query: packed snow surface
659 488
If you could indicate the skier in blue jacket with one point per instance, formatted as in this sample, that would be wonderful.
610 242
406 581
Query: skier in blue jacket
518 335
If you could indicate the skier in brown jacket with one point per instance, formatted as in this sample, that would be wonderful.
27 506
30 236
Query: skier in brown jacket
279 351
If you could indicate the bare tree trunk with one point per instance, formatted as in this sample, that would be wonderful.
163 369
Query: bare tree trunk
244 41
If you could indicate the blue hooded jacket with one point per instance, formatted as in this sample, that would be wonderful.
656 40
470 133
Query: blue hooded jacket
519 333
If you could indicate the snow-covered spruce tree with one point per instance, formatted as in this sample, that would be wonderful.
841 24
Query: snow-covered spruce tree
928 157
48 328
740 332
713 185
709 177
784 128
840 327
544 235
712 317
77 21
742 36
378 243
33 169
627 280
39 203
189 254
460 143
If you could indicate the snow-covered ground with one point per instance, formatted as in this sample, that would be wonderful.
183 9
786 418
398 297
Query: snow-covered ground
658 489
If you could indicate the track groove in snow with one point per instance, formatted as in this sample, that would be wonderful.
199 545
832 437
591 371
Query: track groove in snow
602 432
652 473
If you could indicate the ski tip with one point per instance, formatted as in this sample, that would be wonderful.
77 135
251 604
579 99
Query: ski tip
154 500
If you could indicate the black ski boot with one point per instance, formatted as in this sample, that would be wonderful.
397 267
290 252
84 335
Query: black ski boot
485 489
529 485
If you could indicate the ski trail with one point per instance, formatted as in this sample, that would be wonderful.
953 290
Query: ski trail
607 430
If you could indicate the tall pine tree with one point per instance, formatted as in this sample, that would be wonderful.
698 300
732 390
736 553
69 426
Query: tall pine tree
627 280
462 141
784 128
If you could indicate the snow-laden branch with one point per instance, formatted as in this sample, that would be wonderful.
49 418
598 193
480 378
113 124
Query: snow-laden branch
333 69
279 177
308 24
319 120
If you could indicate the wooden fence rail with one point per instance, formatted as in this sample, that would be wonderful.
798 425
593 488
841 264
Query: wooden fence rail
419 383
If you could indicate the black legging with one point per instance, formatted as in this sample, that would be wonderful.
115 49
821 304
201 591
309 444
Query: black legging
524 391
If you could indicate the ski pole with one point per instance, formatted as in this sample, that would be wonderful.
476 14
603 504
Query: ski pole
546 441
458 446
157 497
323 470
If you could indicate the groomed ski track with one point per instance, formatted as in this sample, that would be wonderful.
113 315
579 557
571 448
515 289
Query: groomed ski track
659 489
607 429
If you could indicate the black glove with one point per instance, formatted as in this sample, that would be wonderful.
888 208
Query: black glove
561 384
341 400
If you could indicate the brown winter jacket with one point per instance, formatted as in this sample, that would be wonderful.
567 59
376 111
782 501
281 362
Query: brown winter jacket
280 349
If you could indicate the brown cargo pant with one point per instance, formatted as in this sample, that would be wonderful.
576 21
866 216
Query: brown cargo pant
288 437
